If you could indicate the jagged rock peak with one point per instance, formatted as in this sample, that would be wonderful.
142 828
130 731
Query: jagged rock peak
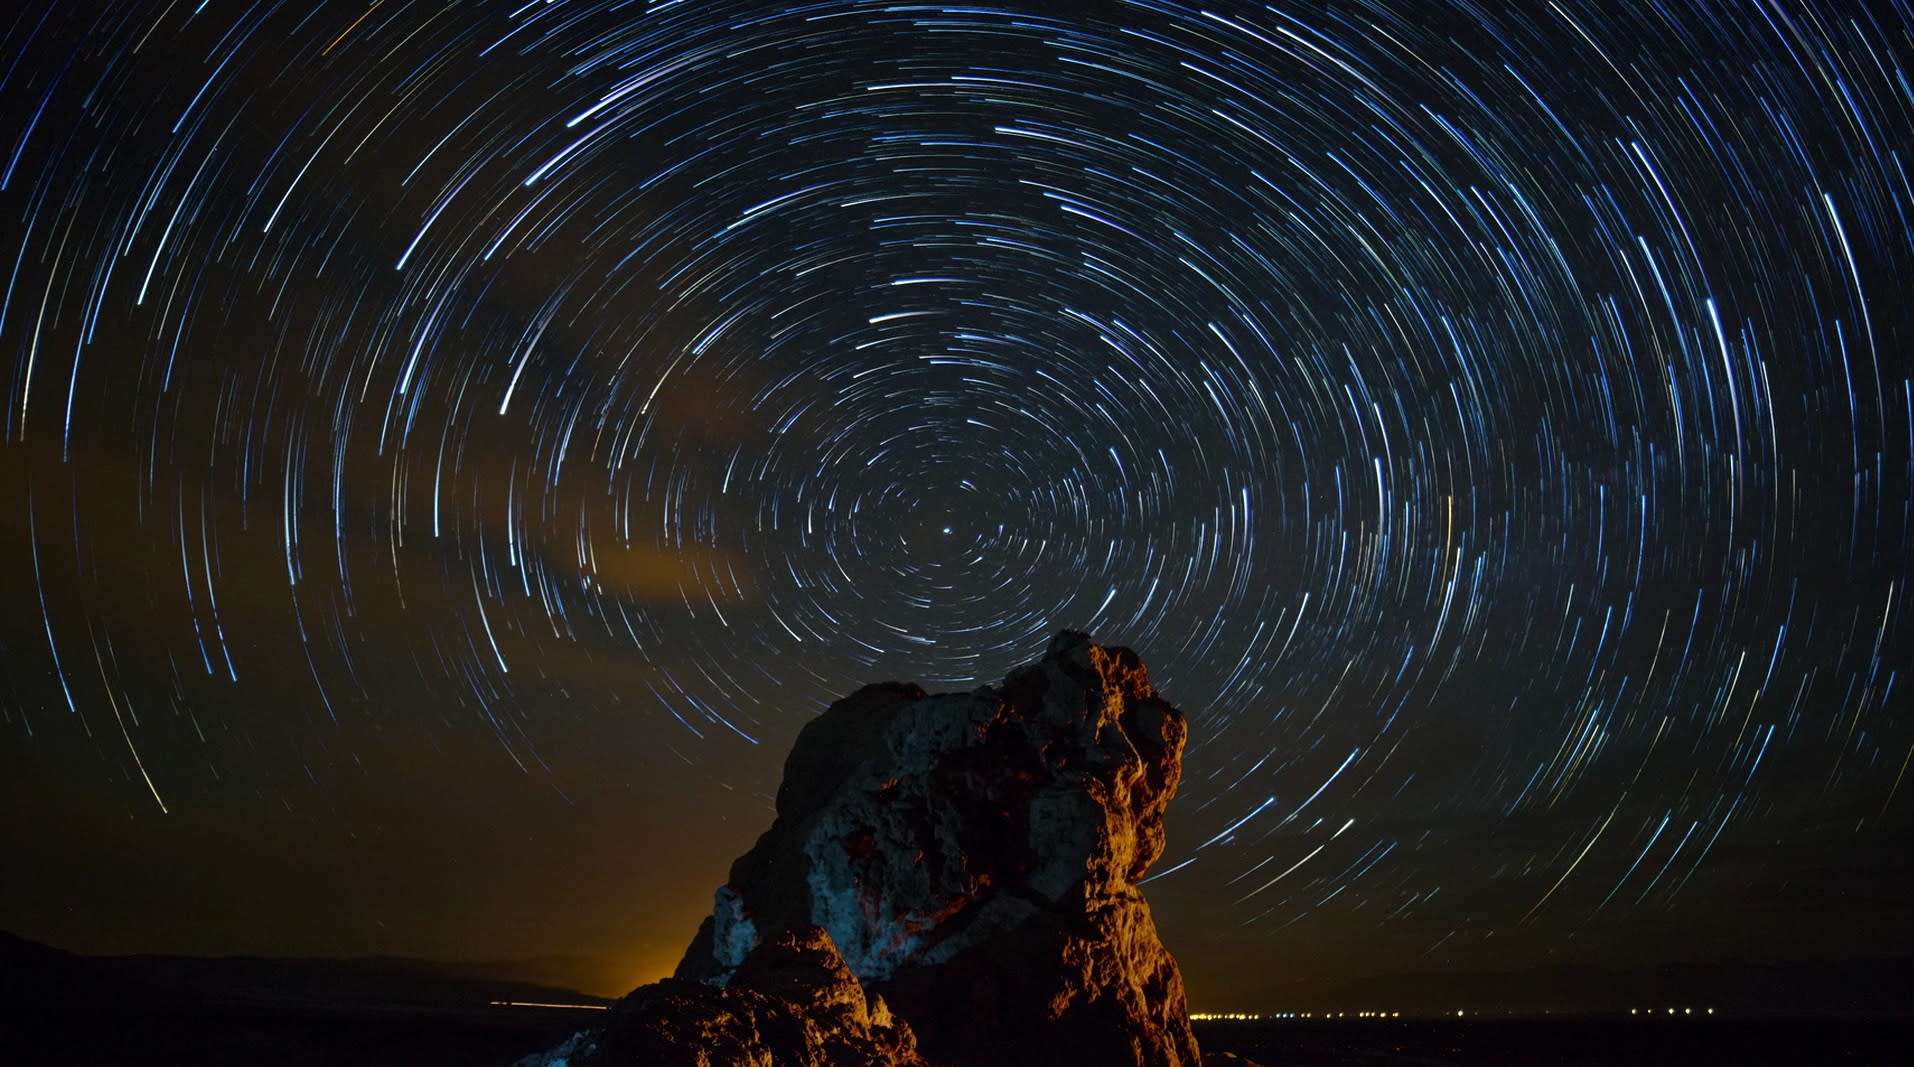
968 859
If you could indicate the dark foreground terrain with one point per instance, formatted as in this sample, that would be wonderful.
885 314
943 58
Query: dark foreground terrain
57 1008
360 1036
293 1035
1534 1042
60 1009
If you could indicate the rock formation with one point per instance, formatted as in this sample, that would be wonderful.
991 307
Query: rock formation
951 875
791 1001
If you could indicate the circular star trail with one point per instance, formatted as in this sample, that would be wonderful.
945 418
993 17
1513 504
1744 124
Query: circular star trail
1494 428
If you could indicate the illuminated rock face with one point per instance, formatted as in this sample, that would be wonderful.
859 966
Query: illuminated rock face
792 1003
974 858
953 875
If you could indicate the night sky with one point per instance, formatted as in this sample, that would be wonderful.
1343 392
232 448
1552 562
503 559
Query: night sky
449 450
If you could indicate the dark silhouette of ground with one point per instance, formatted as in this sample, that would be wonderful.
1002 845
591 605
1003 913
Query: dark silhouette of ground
57 1008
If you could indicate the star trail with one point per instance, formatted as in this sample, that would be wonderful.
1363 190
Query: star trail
1495 428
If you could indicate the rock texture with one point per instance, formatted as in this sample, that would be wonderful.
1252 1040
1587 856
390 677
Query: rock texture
954 874
791 1003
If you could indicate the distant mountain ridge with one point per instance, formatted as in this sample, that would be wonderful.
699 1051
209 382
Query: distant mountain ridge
58 1008
32 971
